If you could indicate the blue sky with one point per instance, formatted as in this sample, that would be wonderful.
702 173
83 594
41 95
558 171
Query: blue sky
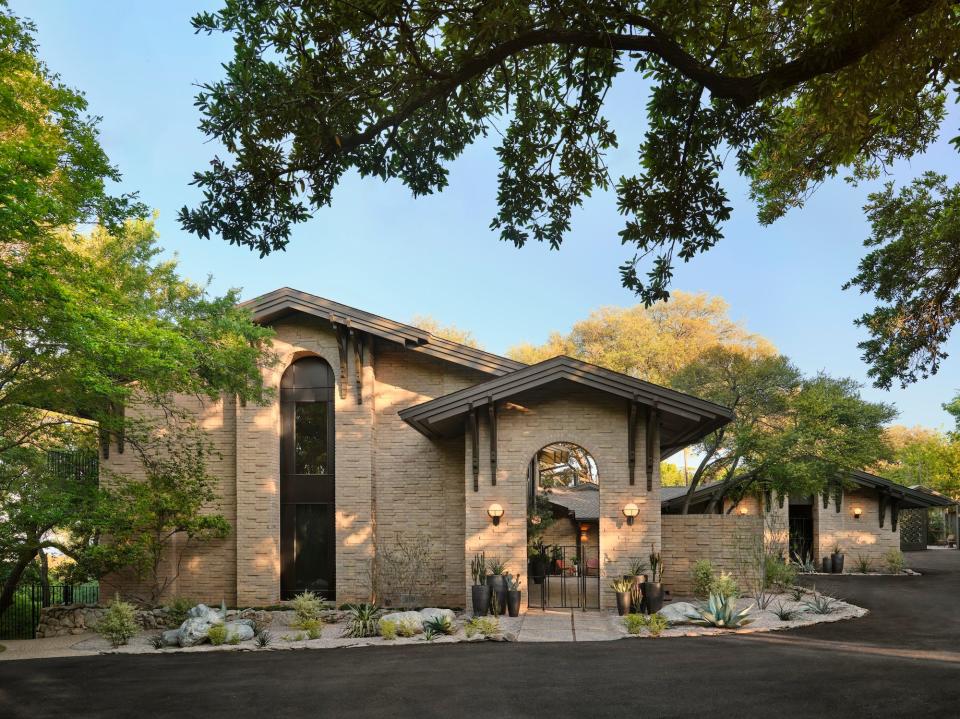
379 249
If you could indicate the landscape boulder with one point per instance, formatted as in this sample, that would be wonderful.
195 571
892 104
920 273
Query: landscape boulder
679 612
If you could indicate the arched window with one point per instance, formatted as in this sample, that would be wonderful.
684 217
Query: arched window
307 481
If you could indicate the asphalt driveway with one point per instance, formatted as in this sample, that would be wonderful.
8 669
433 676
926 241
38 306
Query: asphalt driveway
903 659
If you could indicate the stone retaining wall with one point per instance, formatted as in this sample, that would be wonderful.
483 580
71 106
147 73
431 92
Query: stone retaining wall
689 537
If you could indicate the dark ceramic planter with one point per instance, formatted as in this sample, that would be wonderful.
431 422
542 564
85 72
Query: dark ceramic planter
538 569
653 596
513 602
481 599
623 603
827 565
836 563
498 584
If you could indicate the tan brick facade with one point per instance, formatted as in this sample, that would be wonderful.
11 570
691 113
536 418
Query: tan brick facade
864 536
688 538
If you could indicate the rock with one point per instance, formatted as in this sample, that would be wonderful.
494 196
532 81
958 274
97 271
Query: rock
679 612
242 628
194 631
202 611
171 638
432 612
413 618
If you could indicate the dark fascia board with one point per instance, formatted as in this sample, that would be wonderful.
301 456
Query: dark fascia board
707 415
285 300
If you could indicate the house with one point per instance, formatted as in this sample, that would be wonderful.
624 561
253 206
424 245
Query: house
381 432
862 513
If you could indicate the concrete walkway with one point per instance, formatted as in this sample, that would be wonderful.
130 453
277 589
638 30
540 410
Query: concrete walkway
568 625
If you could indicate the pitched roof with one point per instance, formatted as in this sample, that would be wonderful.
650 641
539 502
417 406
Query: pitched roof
285 301
684 418
582 501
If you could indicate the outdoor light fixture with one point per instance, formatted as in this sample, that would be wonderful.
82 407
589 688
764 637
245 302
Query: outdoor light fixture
857 512
743 511
584 529
630 511
495 511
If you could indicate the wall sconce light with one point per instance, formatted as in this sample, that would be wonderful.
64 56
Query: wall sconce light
857 512
743 511
495 511
584 532
630 511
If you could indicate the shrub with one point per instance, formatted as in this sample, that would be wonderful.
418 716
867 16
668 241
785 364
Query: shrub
177 610
264 639
156 641
656 623
702 578
724 585
485 626
439 625
362 621
217 634
407 628
778 574
119 623
785 614
234 639
796 593
893 560
821 604
388 629
307 606
634 623
863 564
313 628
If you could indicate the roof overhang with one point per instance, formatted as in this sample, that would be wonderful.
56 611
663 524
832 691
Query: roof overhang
283 302
684 419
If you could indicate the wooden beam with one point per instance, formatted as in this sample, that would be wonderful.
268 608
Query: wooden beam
632 440
342 351
838 495
474 430
883 508
894 514
358 363
653 436
492 418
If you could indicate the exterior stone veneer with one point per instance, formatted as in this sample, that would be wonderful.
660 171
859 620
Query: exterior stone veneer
864 536
688 538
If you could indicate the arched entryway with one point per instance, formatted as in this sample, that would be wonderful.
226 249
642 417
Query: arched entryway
563 537
307 481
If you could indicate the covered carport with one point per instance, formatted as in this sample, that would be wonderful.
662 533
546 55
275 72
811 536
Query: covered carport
916 528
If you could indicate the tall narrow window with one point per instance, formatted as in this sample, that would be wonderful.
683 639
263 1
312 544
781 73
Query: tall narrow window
310 437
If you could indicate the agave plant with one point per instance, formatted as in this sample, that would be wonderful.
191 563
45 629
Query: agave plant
497 566
722 612
363 620
822 604
438 625
621 585
785 613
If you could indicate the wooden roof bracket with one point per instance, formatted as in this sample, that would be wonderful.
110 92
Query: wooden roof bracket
632 439
653 436
342 351
492 418
474 430
894 514
883 507
838 495
358 362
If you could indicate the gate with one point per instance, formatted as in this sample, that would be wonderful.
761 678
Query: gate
568 579
913 529
20 619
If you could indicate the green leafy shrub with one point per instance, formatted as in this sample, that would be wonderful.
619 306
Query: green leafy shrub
177 610
362 620
119 623
233 639
863 564
635 623
725 585
217 634
156 641
721 612
622 585
497 566
308 607
702 578
783 613
485 626
264 639
796 593
439 625
893 561
313 627
656 623
778 574
407 628
388 629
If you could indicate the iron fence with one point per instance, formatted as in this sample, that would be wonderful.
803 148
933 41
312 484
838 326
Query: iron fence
20 619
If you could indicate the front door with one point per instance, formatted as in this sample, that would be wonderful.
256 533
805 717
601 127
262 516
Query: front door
801 532
307 481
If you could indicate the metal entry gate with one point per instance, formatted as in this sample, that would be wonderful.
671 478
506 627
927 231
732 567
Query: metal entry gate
568 578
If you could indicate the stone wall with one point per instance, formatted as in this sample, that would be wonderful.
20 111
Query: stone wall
688 538
79 618
864 536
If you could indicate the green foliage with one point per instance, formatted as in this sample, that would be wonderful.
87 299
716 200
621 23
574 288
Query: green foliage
863 564
513 583
119 622
621 585
654 623
497 566
635 623
447 332
388 629
638 566
217 634
923 456
484 626
785 95
702 578
722 612
439 625
724 585
362 620
478 568
307 606
894 561
821 603
313 627
779 574
177 610
784 613
797 593
407 628
263 639
156 641
656 565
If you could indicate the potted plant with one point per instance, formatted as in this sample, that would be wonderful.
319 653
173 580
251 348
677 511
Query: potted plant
498 584
638 575
480 591
653 589
623 588
556 554
539 563
827 565
836 559
513 595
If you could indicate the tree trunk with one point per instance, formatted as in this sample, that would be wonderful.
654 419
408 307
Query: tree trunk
44 579
685 509
13 579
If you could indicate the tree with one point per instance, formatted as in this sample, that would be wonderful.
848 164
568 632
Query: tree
923 456
953 409
652 343
790 434
671 476
447 332
86 318
786 94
